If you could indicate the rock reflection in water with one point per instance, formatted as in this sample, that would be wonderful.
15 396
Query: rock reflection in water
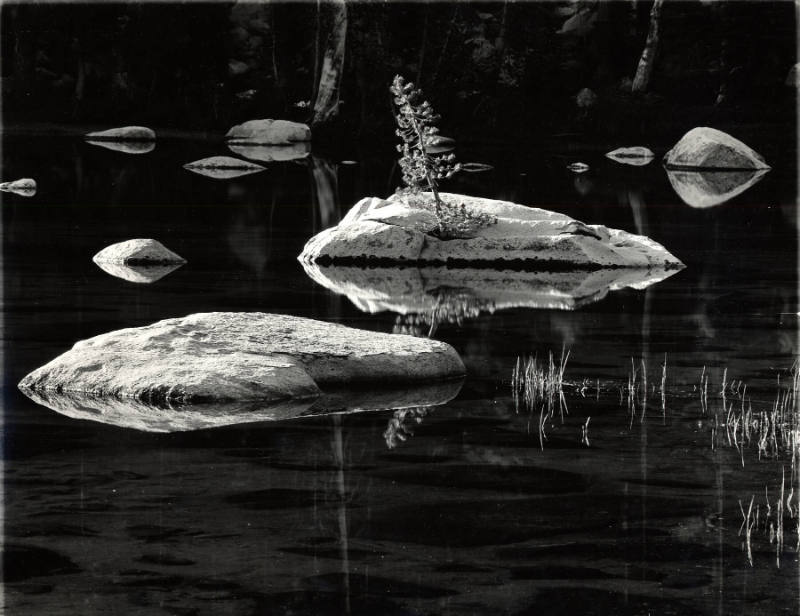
272 153
143 274
453 294
707 188
147 417
125 147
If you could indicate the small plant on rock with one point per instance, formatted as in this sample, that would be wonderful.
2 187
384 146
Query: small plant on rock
423 170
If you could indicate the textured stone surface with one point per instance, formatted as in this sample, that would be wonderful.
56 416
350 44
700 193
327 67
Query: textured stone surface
392 230
637 156
709 148
413 290
124 133
268 132
708 188
140 415
25 187
223 167
138 252
232 356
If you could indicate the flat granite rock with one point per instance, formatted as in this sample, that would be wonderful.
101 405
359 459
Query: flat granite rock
234 356
392 230
268 132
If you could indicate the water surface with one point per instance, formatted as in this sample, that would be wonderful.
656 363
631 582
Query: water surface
457 508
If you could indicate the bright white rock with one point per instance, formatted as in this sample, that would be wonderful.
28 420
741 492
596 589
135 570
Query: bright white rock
391 230
124 133
709 148
138 252
234 356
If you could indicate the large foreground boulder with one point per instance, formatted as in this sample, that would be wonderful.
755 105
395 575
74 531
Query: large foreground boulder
451 294
709 148
395 231
232 356
268 132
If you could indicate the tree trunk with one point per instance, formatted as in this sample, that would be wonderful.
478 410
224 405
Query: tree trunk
326 103
645 68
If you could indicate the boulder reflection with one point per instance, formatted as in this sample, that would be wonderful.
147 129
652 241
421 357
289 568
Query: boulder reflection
436 294
707 188
146 417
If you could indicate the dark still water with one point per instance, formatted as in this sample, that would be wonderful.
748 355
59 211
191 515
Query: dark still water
645 490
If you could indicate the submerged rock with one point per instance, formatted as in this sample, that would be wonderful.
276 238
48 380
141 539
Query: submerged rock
126 147
463 292
392 230
26 187
125 133
273 153
708 188
223 167
232 356
268 132
142 274
636 155
148 417
138 252
709 148
578 167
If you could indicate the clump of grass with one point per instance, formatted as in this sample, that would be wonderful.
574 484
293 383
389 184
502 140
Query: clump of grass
540 387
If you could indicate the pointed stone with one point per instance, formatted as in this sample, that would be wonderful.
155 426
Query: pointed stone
26 187
709 148
124 133
125 147
138 252
637 156
223 167
578 167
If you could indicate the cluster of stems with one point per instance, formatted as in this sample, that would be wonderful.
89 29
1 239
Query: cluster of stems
416 128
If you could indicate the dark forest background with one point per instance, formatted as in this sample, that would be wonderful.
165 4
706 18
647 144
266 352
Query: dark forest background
502 69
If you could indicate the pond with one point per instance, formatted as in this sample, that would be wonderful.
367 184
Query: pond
662 480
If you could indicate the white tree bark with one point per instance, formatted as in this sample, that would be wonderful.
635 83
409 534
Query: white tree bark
326 103
645 68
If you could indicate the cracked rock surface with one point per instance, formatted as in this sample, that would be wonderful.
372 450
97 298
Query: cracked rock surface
235 356
393 230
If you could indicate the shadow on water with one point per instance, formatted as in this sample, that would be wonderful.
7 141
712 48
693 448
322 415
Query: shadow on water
444 503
